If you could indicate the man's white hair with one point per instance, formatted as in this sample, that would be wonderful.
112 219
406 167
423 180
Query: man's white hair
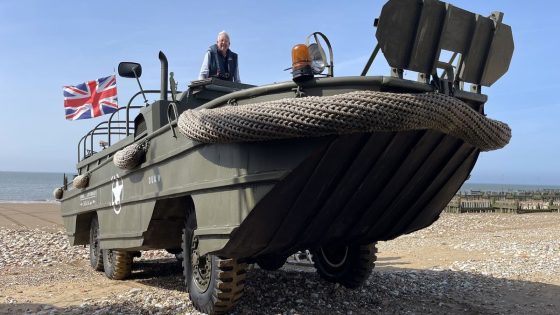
225 34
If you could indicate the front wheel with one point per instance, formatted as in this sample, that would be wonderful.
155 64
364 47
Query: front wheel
348 265
214 284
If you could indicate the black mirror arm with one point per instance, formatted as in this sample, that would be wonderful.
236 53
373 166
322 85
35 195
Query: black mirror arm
140 85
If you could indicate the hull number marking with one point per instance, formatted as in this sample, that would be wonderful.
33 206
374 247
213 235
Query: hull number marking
154 179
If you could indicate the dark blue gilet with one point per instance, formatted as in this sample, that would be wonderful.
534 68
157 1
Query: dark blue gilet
222 67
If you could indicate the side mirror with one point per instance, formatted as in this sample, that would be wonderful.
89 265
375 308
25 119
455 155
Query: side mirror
130 70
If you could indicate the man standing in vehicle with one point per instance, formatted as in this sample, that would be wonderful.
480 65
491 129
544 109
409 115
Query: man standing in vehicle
220 61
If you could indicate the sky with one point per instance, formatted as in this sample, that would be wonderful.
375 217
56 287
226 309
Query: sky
45 45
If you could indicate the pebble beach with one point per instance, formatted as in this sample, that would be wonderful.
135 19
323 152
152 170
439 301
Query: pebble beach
462 264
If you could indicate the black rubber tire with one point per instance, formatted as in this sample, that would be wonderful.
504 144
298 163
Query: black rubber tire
95 255
226 277
271 262
117 264
348 265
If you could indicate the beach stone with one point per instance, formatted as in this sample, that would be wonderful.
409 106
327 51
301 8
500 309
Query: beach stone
487 257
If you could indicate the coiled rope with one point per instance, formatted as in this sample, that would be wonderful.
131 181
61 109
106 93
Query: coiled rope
131 156
57 193
359 111
81 181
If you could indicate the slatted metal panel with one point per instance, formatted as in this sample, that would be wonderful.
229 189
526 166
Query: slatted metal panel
357 188
412 34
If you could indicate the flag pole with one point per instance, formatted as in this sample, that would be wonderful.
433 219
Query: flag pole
118 107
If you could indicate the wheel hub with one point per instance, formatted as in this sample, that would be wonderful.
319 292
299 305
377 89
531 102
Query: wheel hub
201 267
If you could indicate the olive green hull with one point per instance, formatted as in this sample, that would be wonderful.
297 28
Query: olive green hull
222 182
270 197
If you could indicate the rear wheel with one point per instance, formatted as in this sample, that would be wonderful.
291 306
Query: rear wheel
95 256
347 265
215 284
117 264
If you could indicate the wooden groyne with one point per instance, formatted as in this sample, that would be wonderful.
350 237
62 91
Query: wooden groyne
505 202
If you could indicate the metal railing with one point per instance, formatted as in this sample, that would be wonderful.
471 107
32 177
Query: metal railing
110 128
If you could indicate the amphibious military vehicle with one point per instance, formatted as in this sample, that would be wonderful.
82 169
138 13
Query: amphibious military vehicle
229 174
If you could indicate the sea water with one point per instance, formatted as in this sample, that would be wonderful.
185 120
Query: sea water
29 186
467 187
39 187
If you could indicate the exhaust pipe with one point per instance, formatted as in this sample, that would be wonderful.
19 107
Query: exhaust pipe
164 68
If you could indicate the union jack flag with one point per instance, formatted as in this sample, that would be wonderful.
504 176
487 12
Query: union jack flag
91 99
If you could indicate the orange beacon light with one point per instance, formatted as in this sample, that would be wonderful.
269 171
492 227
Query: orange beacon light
301 63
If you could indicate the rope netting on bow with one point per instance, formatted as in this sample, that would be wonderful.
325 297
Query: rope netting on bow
359 111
